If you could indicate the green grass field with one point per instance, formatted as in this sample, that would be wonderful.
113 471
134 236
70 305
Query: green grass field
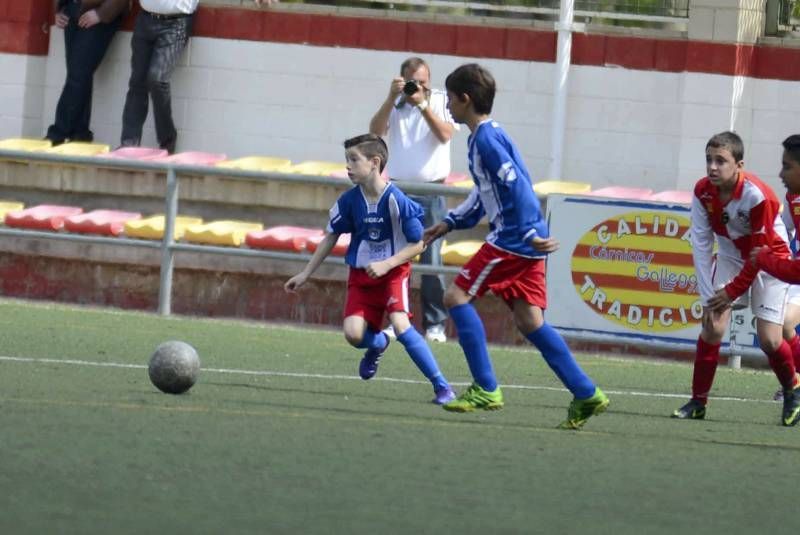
280 436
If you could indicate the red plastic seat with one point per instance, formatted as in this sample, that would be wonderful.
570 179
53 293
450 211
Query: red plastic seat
673 195
108 222
43 217
338 250
135 153
454 178
193 158
622 192
282 238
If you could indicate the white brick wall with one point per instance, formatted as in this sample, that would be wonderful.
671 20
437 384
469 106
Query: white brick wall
242 98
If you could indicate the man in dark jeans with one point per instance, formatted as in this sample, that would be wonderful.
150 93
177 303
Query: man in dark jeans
89 26
161 33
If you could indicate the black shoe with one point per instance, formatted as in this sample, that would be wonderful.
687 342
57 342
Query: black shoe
694 410
791 407
54 142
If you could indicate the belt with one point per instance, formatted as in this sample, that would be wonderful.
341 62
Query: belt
159 16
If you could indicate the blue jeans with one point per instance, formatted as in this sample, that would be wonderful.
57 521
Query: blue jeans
156 46
432 289
85 49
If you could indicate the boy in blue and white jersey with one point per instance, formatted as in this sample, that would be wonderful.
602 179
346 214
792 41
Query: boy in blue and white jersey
512 261
386 233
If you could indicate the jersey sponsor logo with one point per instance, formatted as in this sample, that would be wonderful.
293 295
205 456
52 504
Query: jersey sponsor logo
373 219
465 273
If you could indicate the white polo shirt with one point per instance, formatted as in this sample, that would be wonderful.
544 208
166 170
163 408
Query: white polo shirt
415 153
169 7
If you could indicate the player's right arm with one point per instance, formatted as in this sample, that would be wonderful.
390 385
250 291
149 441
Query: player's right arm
702 239
323 250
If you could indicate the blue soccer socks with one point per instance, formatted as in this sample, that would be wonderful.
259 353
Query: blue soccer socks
560 359
472 338
421 354
373 339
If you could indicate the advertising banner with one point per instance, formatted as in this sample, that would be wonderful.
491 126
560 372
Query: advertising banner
624 269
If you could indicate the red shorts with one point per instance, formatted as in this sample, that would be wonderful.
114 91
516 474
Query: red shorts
372 298
506 275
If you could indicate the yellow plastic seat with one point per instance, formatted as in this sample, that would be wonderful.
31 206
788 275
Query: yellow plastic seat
567 187
458 253
257 163
9 206
152 228
227 232
79 149
313 167
468 184
26 144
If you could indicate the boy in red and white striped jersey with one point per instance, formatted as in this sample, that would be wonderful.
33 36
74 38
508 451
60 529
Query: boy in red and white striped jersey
739 212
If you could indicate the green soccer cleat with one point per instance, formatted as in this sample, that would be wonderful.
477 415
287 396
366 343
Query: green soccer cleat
581 410
791 407
476 397
694 410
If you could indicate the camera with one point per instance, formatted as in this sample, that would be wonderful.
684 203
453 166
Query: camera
411 87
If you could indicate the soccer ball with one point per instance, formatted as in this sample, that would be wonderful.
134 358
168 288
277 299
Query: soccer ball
174 367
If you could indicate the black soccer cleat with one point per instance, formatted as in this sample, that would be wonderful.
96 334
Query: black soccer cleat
694 410
791 407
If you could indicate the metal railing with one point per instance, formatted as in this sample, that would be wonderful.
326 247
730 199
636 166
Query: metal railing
169 247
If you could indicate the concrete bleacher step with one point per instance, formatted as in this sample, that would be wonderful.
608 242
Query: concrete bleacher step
257 163
340 249
226 232
105 222
79 149
41 217
9 206
566 187
152 228
458 253
283 238
25 144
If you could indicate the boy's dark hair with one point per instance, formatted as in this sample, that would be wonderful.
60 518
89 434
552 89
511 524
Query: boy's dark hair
413 64
792 147
730 141
370 146
477 82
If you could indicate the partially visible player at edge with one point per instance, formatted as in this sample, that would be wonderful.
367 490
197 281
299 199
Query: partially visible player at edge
512 261
737 211
386 233
790 175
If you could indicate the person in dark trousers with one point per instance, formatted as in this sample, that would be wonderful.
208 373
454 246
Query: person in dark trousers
161 33
89 26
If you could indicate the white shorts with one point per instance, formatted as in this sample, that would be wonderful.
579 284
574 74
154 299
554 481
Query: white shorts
766 297
793 297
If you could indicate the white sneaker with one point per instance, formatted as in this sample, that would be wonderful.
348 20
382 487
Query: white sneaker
389 331
435 333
